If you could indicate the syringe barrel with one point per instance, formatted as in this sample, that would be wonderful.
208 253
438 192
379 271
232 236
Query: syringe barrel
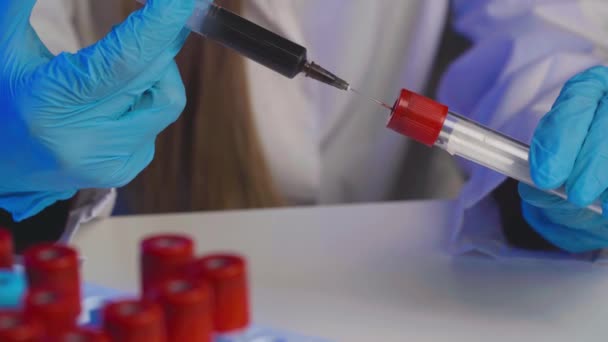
247 38
432 123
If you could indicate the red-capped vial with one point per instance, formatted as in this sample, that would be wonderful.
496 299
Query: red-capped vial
84 335
17 327
7 249
227 275
134 321
188 309
54 267
418 117
54 310
163 257
433 124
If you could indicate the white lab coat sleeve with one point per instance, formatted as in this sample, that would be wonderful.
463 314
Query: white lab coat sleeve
54 21
508 80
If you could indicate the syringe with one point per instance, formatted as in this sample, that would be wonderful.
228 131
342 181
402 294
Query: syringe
432 124
257 43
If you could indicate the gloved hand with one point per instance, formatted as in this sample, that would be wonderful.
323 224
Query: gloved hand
84 120
562 223
570 147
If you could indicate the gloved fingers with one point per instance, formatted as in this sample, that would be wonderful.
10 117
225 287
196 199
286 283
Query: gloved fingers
118 137
25 205
15 16
55 80
18 38
604 202
159 106
564 237
37 49
151 33
128 168
559 210
568 211
541 199
561 133
589 178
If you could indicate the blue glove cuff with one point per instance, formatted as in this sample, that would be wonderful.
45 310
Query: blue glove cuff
25 205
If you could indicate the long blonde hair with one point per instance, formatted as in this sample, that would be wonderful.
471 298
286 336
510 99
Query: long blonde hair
211 158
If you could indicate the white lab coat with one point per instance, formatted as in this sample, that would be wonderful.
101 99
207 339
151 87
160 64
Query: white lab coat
326 147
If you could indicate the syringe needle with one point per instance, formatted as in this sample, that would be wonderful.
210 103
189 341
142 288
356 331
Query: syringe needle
371 98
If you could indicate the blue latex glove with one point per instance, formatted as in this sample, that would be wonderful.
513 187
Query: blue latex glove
570 148
84 120
562 223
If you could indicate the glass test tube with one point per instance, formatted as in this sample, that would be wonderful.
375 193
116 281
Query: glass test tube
432 124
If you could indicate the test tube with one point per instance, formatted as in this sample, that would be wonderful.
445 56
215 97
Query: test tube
54 310
17 327
134 321
54 267
162 257
227 275
188 310
6 249
431 123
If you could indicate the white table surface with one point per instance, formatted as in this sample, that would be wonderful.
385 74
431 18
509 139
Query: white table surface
371 273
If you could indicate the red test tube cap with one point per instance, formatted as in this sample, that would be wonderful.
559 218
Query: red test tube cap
84 335
54 310
418 117
227 275
134 321
16 327
54 267
188 309
6 249
162 257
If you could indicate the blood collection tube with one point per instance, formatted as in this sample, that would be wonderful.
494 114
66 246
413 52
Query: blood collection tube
17 327
188 310
54 267
54 310
84 335
6 249
162 257
134 321
432 124
227 275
